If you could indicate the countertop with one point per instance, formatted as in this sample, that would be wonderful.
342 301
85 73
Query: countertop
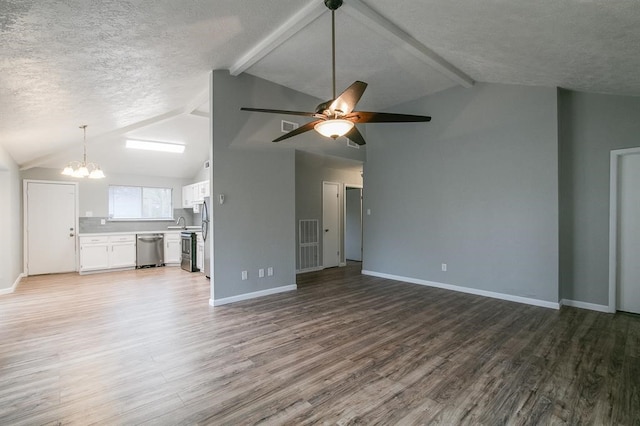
196 229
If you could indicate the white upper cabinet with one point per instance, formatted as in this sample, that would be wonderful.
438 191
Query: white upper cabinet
195 193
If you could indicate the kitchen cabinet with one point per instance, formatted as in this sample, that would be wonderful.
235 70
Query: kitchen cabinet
203 190
94 253
187 197
123 251
172 249
194 194
107 252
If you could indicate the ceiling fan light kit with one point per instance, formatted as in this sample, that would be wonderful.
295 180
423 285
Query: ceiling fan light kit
337 117
83 169
334 128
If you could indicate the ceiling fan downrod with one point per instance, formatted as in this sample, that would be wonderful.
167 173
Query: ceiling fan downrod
333 5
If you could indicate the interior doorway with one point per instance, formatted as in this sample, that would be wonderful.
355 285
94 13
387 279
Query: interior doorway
353 223
50 227
624 233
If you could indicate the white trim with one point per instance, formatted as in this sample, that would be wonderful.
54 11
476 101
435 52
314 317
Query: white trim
14 286
253 295
502 296
613 223
584 305
342 264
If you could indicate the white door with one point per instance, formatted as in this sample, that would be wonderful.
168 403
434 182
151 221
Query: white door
51 227
629 234
353 224
330 225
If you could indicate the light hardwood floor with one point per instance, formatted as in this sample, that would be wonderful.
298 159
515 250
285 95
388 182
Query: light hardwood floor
144 347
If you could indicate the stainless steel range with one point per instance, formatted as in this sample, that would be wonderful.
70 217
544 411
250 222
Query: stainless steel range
189 251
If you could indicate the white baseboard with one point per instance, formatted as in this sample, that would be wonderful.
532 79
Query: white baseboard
247 296
585 305
494 295
14 286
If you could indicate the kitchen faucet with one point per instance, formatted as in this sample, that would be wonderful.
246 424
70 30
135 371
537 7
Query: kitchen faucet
184 222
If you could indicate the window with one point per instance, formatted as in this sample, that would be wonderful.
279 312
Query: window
137 202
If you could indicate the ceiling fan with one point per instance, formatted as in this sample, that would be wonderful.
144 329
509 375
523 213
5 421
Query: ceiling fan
336 117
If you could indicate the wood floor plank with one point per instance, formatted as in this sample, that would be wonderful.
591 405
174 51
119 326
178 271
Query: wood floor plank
144 347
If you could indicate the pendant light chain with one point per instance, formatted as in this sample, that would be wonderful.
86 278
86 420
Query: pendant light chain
84 144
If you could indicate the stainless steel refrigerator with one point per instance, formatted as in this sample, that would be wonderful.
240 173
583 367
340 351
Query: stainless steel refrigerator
206 235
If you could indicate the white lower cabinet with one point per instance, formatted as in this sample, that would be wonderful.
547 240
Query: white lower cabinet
93 256
107 252
172 249
123 255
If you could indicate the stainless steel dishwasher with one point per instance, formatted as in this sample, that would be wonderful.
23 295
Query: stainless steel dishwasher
149 250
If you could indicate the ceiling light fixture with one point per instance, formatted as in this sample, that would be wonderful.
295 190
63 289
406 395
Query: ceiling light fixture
333 128
155 146
83 169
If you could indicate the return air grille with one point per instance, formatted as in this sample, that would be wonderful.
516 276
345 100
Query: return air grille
308 244
287 126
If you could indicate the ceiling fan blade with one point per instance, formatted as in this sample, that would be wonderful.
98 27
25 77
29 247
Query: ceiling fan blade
279 111
348 99
385 117
301 129
355 136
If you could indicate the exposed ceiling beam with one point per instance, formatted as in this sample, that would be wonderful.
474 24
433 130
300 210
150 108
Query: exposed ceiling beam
193 106
301 19
381 25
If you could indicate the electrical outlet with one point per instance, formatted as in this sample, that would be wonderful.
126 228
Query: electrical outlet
261 272
245 275
444 267
270 271
103 222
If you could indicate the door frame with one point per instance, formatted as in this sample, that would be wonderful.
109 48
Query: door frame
25 221
616 155
344 217
340 236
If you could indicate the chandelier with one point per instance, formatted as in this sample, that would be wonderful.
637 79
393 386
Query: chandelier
83 169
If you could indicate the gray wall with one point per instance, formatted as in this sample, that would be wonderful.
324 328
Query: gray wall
476 188
591 125
254 228
11 219
311 171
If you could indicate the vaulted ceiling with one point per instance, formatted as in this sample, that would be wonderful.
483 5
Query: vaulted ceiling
139 68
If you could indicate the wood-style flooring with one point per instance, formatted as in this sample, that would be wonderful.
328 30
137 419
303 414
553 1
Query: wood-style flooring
144 347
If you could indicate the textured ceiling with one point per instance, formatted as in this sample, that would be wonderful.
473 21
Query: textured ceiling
117 64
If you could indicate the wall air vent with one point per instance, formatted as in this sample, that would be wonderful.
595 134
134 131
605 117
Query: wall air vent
308 244
287 126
